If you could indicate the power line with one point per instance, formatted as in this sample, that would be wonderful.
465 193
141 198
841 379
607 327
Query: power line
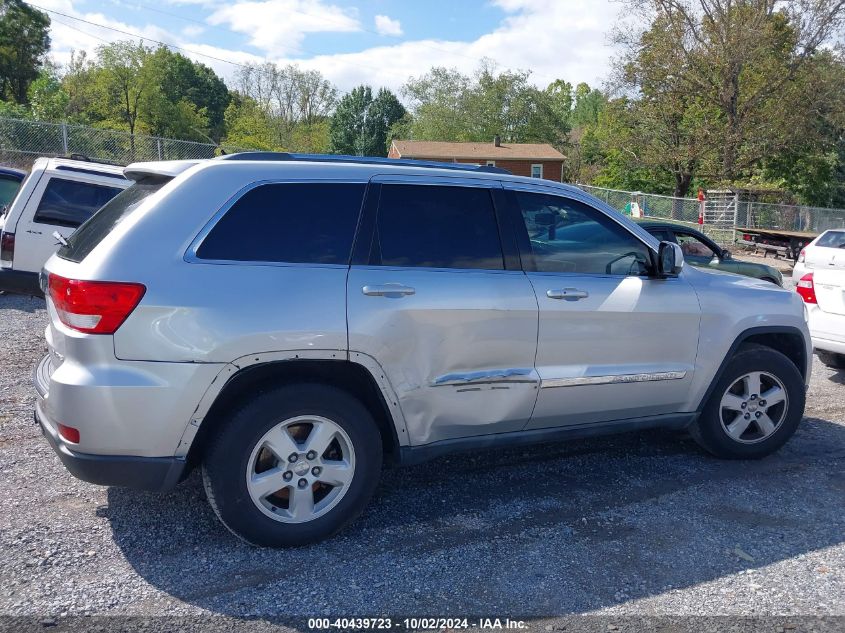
130 34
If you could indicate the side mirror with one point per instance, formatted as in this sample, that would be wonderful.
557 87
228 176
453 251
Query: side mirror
670 259
726 254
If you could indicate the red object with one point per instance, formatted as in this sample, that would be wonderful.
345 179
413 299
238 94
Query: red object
806 289
700 205
94 307
69 434
700 194
7 247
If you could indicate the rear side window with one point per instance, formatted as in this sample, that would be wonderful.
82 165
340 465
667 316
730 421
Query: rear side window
70 202
434 226
86 237
296 223
832 239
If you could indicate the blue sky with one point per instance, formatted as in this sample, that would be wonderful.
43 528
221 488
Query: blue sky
380 42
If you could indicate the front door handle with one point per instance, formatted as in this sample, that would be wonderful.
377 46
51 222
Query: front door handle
570 294
387 290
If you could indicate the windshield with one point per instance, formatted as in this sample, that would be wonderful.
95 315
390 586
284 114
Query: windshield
832 239
92 232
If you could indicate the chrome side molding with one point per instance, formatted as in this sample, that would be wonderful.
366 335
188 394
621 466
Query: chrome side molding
509 374
611 380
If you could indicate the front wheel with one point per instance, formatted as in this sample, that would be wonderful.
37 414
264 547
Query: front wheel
755 408
293 465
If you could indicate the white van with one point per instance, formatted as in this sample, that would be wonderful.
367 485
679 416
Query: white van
57 196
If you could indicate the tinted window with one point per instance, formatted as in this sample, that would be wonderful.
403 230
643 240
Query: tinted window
437 227
92 232
70 203
291 222
832 239
569 237
8 189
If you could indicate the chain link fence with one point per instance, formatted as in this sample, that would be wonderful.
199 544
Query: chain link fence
723 212
22 141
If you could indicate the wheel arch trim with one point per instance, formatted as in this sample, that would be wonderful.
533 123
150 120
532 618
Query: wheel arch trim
244 363
739 340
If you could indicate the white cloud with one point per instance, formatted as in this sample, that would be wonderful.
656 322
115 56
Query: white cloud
386 25
551 38
193 30
278 27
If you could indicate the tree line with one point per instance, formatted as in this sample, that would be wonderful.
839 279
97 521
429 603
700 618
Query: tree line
747 93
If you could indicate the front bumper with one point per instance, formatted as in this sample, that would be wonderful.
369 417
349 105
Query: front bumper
143 473
20 282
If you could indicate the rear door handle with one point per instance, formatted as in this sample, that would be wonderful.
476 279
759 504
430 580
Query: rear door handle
570 294
387 290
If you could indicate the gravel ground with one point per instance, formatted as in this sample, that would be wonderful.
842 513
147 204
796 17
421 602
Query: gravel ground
638 524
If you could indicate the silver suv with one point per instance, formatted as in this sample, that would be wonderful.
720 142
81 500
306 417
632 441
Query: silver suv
288 323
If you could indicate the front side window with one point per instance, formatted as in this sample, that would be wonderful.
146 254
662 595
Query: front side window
435 226
70 202
695 251
567 236
296 223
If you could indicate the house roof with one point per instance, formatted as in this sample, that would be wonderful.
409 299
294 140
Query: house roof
476 151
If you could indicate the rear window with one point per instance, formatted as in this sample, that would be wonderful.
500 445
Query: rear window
92 232
832 239
297 223
70 202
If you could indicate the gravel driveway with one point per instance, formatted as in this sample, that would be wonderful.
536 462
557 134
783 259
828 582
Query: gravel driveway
639 524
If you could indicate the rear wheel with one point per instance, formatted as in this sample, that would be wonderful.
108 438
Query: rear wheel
755 408
831 359
293 466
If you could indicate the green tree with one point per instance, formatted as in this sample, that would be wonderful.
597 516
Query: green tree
447 105
120 83
47 98
247 125
361 124
24 41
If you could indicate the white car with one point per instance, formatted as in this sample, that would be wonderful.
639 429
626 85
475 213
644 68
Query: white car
823 291
58 195
826 251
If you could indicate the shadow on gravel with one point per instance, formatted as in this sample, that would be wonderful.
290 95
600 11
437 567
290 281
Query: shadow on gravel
550 530
23 303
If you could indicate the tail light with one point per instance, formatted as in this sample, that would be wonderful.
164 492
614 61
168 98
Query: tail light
93 307
7 249
802 256
806 289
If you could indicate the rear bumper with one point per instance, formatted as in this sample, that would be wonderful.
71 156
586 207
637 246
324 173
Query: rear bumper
20 282
827 330
143 473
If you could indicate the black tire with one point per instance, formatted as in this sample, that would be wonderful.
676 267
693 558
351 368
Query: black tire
709 432
831 359
225 462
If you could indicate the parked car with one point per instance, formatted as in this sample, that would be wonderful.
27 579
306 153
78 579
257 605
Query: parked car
59 195
271 319
700 250
10 182
823 292
826 251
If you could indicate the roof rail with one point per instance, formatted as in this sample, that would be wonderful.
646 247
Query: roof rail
360 160
88 159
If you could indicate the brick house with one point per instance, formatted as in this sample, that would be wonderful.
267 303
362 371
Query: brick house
539 160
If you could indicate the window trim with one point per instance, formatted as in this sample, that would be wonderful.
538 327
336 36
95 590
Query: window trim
491 163
540 165
517 224
190 256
